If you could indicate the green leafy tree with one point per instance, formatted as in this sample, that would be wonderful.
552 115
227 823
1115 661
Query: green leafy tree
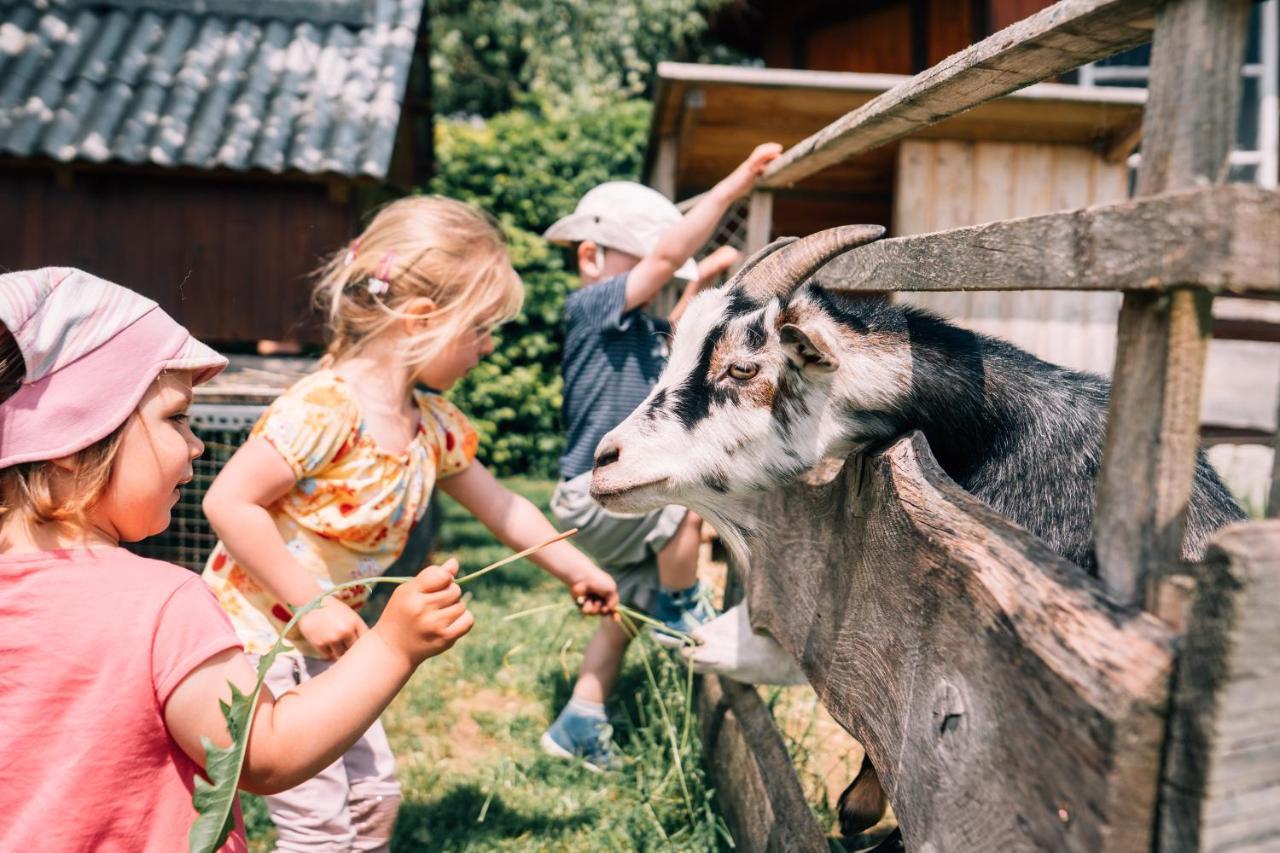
553 56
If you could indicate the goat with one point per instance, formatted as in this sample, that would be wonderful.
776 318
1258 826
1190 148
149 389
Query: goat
774 372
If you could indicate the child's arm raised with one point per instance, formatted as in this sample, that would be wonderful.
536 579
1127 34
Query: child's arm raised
694 229
298 734
519 524
236 505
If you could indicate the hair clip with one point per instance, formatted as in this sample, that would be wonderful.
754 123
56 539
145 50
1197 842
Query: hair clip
377 286
351 253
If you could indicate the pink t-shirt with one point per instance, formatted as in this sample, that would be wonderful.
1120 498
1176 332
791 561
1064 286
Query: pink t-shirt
92 643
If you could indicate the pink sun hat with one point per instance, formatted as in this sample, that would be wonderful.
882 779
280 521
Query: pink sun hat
91 350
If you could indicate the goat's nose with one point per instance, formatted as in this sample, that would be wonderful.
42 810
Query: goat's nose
607 453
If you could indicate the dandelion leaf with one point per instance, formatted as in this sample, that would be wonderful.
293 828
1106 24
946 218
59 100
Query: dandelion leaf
215 798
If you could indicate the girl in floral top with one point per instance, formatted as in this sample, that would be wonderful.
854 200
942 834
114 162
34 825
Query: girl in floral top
340 468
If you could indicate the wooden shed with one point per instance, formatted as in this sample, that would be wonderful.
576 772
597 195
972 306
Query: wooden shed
206 154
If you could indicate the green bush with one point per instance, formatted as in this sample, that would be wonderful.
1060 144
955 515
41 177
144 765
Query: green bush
528 170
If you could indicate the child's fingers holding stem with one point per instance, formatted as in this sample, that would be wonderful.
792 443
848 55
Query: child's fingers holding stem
434 578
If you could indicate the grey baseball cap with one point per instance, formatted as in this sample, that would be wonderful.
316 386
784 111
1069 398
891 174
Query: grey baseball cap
621 215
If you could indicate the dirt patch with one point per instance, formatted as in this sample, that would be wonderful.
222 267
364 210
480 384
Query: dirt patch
468 744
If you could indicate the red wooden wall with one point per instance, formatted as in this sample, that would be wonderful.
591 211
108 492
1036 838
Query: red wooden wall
227 256
874 36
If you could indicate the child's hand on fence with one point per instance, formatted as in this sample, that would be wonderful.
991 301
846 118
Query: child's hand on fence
595 593
332 628
742 179
426 615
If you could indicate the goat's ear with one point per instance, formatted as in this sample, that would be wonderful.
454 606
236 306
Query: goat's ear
807 350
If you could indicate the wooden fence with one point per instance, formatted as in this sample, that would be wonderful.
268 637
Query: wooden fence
1009 700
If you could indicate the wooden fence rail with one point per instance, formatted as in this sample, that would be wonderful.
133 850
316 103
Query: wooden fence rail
1008 700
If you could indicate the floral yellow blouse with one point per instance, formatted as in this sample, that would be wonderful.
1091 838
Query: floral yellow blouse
350 513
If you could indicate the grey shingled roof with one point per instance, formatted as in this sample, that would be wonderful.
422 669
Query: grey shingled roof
306 85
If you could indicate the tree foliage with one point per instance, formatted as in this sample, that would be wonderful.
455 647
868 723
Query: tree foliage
557 56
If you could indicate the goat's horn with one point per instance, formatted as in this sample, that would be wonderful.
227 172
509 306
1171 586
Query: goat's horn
759 256
780 269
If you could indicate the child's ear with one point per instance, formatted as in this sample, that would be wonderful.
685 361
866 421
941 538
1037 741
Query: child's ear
589 260
417 309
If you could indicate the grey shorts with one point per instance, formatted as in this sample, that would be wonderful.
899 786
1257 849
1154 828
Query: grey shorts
626 546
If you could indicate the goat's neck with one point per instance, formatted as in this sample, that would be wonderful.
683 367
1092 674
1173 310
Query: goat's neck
964 402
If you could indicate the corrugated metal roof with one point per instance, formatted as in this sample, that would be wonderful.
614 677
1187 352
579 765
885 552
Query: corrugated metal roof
129 83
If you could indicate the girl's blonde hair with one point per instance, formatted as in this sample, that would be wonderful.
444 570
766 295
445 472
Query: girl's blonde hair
28 486
423 246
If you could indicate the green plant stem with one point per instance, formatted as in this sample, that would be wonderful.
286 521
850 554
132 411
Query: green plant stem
637 616
666 716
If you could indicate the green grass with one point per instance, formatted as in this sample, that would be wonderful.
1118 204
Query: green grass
465 730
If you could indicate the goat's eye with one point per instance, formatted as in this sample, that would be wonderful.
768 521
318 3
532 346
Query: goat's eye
743 372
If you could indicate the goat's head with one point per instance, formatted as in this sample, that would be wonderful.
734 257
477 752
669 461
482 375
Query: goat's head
767 376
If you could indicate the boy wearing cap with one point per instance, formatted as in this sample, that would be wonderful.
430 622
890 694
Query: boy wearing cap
629 242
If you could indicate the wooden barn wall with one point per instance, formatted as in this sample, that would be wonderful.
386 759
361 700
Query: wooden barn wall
228 258
889 36
944 184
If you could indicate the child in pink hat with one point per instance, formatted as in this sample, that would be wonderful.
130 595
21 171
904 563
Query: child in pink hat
112 666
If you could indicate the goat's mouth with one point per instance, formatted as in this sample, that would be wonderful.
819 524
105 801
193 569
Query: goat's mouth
629 496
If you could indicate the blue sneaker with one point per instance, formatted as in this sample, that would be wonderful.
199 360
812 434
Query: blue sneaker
577 736
682 611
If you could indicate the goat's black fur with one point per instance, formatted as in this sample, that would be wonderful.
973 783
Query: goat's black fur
1022 435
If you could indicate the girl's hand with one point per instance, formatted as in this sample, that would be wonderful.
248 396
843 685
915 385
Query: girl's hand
596 593
426 615
332 628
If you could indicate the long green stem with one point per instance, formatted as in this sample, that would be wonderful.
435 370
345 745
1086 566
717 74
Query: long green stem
666 716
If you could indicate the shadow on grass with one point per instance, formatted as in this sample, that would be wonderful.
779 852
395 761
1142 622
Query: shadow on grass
452 822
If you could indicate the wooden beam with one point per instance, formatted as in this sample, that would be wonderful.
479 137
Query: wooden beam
665 166
760 796
759 221
1273 499
1060 38
1222 767
1152 426
1222 238
1005 702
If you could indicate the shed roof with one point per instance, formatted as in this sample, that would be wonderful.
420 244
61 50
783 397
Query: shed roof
311 86
715 114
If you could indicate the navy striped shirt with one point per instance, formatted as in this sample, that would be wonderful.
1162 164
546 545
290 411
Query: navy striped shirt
611 362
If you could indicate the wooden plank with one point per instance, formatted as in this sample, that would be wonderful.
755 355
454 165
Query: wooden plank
1222 780
1222 238
1006 703
663 177
759 222
1273 498
1063 37
1152 424
760 796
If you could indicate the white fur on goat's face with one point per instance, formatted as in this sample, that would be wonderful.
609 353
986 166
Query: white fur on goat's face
753 396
